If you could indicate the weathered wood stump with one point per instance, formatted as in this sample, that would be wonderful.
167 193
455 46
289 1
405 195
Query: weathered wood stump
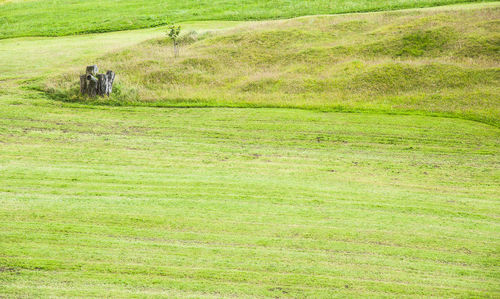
94 84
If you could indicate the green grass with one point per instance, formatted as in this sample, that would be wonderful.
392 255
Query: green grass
432 61
62 17
38 57
121 202
129 201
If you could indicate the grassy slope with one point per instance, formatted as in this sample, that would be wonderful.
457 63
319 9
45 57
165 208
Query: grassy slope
124 201
62 17
37 57
217 202
442 61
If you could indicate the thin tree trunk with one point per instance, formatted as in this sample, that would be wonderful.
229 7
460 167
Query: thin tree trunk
176 49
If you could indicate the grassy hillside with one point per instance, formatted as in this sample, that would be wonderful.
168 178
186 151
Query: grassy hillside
39 57
141 202
62 17
443 61
145 202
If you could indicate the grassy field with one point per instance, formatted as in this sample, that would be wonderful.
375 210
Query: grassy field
37 57
441 61
245 202
136 201
62 17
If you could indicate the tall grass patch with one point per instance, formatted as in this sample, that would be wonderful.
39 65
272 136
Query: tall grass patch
405 62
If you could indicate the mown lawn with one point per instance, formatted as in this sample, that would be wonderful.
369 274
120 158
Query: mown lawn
109 201
62 17
245 202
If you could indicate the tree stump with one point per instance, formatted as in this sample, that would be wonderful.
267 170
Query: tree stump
94 84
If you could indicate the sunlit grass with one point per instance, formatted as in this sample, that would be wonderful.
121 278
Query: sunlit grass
60 17
105 201
123 202
443 62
